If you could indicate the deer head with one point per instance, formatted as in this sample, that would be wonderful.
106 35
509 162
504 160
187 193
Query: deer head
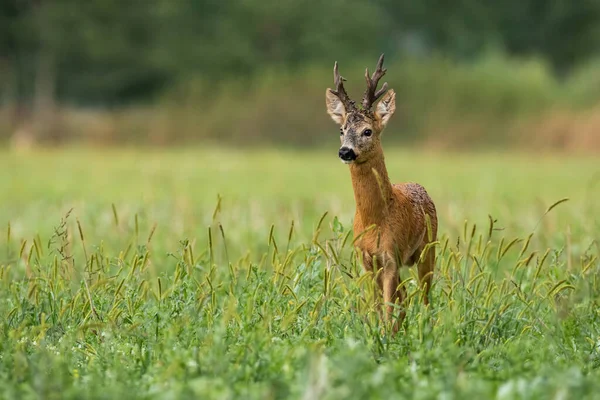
360 128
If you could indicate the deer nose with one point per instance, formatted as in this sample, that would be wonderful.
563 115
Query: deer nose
347 154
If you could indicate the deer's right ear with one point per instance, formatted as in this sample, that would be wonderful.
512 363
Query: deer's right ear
335 107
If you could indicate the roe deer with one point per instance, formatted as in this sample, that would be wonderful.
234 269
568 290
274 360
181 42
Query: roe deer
393 223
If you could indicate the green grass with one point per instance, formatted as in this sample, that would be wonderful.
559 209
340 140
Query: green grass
218 274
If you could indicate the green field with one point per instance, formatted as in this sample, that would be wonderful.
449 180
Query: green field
230 274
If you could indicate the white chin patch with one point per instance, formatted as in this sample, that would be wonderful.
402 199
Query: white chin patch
346 161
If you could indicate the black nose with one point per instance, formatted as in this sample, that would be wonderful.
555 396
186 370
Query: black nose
347 154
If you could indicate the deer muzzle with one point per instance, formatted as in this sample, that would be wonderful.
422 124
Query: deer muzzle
347 154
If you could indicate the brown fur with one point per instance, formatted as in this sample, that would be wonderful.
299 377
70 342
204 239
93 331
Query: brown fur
401 213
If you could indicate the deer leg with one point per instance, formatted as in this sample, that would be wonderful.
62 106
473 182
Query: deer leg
373 265
425 270
370 265
392 295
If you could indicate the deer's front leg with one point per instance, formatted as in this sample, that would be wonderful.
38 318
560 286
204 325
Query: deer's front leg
373 265
392 295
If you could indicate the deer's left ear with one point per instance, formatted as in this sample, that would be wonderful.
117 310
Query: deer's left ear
386 107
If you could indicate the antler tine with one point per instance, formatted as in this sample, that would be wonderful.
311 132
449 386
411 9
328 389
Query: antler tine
371 93
339 91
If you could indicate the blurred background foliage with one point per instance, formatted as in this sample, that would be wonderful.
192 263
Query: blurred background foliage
468 73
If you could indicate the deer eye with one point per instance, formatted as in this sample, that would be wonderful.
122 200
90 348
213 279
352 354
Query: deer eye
367 132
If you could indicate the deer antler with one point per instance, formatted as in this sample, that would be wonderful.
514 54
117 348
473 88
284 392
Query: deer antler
372 94
339 91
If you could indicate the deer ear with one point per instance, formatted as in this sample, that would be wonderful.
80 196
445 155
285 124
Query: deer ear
335 107
386 107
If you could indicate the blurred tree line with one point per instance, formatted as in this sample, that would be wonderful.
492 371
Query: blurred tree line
114 52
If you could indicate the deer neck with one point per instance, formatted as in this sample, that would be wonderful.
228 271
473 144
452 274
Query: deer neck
372 189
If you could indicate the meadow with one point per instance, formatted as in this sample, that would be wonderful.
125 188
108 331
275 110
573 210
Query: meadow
219 273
